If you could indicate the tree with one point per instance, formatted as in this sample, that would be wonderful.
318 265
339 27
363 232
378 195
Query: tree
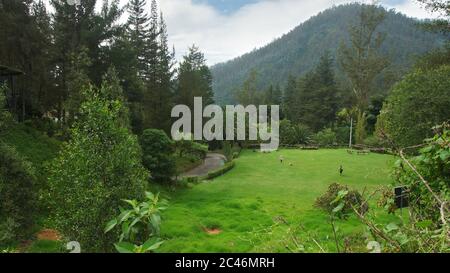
137 29
294 134
249 93
194 79
289 99
18 195
317 100
415 105
96 169
362 62
157 154
443 8
159 102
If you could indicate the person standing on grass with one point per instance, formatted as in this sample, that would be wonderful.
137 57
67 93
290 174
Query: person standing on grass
281 159
341 170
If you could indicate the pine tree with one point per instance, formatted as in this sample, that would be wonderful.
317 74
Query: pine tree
248 93
161 96
289 99
137 28
194 79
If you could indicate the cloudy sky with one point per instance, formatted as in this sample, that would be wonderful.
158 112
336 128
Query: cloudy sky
225 29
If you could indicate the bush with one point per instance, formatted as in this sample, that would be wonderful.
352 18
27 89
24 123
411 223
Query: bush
5 115
226 168
433 163
99 167
351 198
372 141
415 105
190 147
325 137
17 192
291 134
157 154
343 135
142 222
228 150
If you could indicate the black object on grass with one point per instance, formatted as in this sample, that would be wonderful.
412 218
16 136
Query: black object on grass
401 197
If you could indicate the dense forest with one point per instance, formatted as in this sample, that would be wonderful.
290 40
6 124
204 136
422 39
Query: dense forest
62 51
299 51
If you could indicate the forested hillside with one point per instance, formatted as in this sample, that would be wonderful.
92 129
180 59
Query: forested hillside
300 50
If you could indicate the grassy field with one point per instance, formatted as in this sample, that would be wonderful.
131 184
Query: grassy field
258 204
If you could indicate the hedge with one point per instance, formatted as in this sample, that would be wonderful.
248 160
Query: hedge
227 167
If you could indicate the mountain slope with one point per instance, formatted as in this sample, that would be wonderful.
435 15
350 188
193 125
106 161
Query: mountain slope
299 51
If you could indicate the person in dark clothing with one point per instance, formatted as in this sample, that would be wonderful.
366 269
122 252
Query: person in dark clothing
341 170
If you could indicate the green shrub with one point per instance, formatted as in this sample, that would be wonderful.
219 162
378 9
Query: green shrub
325 137
8 231
5 115
433 163
293 134
415 105
139 224
227 167
192 148
17 192
343 135
372 141
157 154
327 201
228 150
99 167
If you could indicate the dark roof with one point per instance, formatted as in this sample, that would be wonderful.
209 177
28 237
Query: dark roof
8 71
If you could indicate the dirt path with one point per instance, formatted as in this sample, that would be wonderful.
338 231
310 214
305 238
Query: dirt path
213 161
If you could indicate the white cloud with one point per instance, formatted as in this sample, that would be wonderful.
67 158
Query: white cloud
413 9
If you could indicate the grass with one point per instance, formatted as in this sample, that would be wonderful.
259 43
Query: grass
37 148
31 144
257 203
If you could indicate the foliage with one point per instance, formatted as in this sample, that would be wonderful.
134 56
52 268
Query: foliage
433 163
194 79
150 245
372 141
5 115
157 154
228 150
360 130
139 224
18 194
441 8
427 180
216 173
362 61
415 105
97 168
326 137
8 231
291 134
186 146
316 100
340 200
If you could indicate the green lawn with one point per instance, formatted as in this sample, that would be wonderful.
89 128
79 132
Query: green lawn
260 200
